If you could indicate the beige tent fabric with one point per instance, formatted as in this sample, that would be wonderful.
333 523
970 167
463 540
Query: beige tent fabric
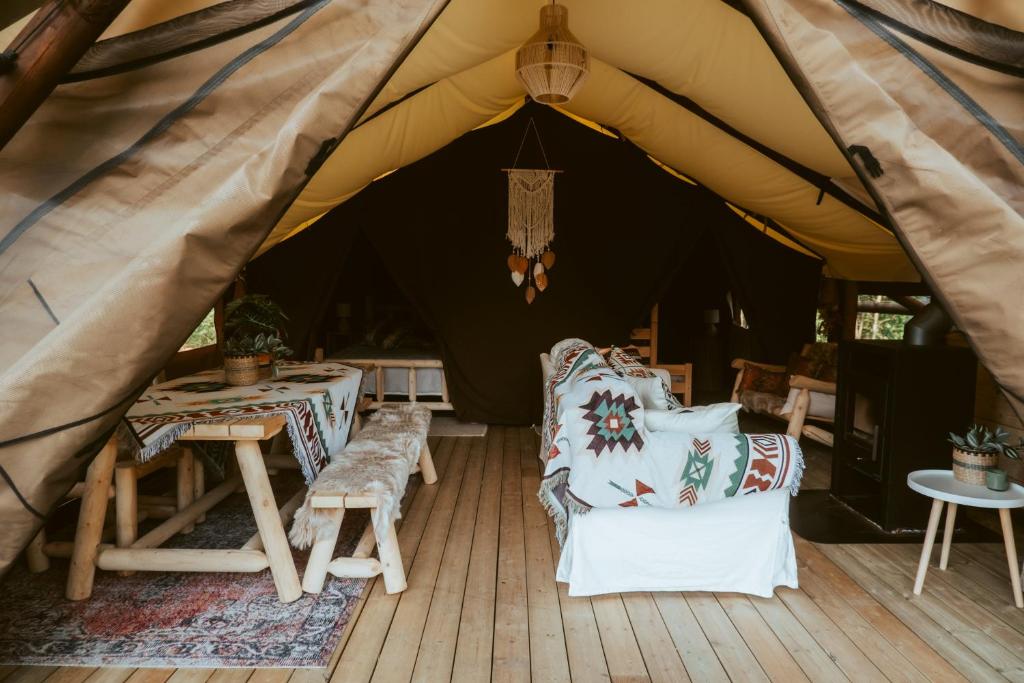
853 245
955 192
100 285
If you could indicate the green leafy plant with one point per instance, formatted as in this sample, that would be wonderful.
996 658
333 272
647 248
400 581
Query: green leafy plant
254 314
251 345
981 439
254 325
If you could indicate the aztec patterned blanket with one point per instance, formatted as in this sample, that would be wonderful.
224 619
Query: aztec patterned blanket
318 400
599 454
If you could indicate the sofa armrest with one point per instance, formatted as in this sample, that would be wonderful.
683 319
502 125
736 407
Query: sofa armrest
811 384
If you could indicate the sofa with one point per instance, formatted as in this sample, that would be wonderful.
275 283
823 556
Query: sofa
741 544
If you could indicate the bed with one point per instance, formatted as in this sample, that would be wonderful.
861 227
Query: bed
399 375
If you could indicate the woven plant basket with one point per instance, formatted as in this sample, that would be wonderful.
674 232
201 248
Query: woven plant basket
241 371
266 365
970 468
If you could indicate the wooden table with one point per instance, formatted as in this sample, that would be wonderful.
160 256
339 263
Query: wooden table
943 488
267 548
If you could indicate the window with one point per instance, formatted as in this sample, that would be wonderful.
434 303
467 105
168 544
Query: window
204 335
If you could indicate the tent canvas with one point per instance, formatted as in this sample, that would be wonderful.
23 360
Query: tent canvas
139 189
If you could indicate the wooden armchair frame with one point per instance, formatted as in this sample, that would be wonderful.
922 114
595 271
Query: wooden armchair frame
799 416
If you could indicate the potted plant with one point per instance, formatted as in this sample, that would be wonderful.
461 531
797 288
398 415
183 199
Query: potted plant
977 452
256 317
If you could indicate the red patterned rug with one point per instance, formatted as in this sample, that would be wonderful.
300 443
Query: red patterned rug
158 619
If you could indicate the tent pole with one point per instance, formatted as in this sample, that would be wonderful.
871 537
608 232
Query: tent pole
50 44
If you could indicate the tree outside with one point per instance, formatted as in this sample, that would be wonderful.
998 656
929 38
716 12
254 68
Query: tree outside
204 335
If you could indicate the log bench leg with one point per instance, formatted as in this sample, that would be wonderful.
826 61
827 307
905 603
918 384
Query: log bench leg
199 484
186 483
268 520
391 560
426 463
323 551
90 523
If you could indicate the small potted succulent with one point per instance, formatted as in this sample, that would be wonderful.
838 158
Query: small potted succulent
255 325
977 452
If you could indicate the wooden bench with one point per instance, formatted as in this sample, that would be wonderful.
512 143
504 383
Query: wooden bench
371 472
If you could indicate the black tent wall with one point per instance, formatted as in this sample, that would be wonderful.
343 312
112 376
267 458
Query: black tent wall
623 227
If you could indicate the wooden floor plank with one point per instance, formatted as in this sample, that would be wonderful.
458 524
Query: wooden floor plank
71 674
830 637
732 652
661 658
203 675
621 651
511 653
116 674
441 632
161 675
965 660
476 625
814 661
579 625
909 644
398 654
548 658
1005 644
30 674
875 647
360 655
693 646
771 654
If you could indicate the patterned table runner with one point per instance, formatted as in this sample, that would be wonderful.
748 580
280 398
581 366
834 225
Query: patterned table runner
317 399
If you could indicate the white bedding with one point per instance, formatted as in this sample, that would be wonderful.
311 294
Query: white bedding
737 545
396 381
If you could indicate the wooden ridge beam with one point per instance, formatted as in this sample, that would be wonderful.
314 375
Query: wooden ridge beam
50 44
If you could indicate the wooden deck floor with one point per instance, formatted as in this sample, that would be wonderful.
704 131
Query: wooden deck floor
482 604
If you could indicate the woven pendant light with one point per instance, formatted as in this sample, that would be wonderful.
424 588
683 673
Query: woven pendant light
552 65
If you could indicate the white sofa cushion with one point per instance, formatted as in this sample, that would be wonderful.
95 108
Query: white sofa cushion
716 418
822 405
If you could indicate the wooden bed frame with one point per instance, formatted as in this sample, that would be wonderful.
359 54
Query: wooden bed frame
377 365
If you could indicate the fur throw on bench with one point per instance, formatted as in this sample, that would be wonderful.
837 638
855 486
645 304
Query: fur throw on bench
377 461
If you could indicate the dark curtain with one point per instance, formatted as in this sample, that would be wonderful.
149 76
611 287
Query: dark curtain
302 273
621 227
623 230
776 286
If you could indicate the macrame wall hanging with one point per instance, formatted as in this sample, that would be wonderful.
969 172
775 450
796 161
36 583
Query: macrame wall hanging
531 221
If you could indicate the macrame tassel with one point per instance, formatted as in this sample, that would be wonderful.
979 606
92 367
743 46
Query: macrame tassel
531 210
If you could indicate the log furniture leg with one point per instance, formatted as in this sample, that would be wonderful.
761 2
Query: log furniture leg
426 465
390 559
322 552
90 523
199 484
947 535
929 543
268 521
126 507
186 483
1011 555
35 554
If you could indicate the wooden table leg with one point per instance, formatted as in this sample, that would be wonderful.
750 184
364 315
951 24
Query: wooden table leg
126 508
929 543
90 523
186 484
947 536
1011 555
268 520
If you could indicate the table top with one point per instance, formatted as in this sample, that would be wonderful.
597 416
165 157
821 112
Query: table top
942 485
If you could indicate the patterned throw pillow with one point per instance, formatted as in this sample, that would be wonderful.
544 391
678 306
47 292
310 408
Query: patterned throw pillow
798 365
626 365
757 378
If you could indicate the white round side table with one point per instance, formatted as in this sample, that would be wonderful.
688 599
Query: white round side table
942 487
